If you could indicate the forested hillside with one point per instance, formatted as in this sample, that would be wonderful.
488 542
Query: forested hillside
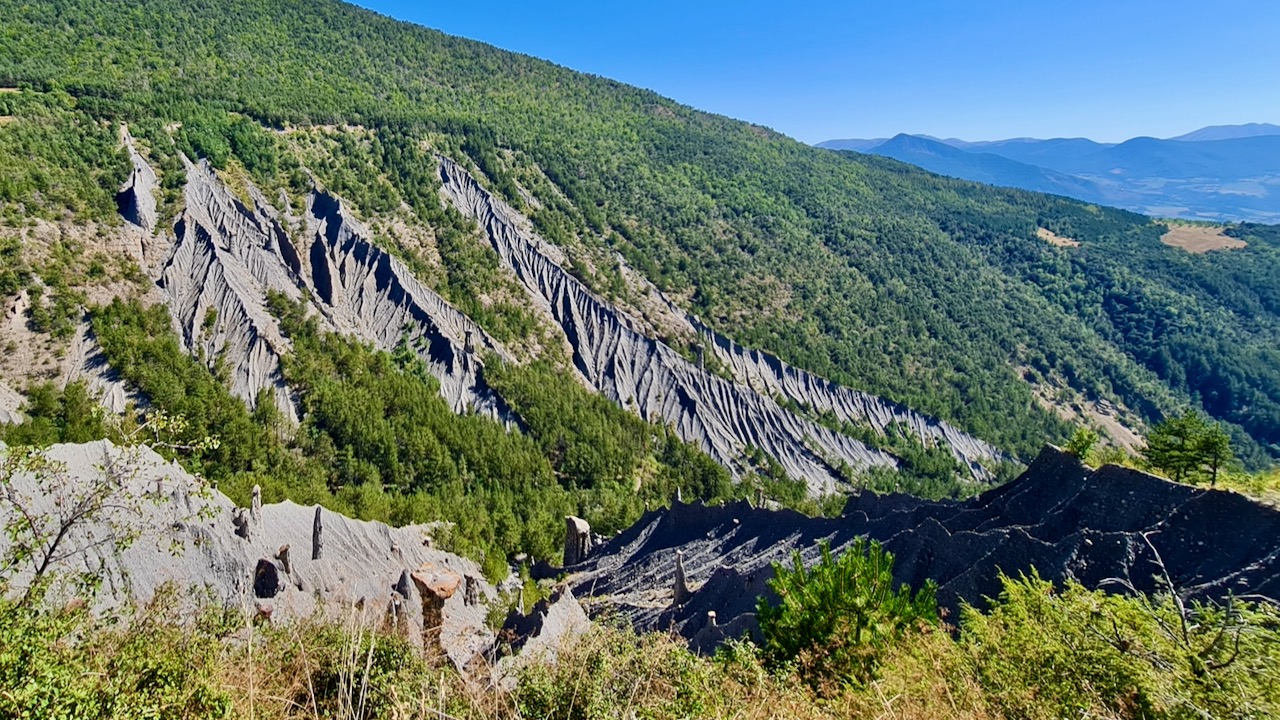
935 293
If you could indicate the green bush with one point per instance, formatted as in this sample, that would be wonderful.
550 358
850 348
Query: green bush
1041 652
64 664
56 415
1082 442
834 620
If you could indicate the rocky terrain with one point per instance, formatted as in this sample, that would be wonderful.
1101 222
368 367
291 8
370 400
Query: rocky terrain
694 568
226 257
162 528
1113 528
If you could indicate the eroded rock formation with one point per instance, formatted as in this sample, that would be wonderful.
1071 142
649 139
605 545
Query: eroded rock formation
769 375
638 372
226 257
226 254
187 537
1060 517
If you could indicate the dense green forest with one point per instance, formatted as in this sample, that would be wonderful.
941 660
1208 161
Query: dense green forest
933 292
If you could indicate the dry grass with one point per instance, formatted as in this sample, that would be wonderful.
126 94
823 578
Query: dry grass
1056 240
922 680
349 671
613 673
1200 239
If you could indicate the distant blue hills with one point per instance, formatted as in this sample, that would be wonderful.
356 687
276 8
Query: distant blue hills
1224 173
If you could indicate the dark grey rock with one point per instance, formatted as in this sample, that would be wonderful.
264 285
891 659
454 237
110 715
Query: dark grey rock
577 540
1066 521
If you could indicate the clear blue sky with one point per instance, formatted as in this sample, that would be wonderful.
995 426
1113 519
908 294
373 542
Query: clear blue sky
982 69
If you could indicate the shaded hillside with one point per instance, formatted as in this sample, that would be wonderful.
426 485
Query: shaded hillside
934 294
1109 528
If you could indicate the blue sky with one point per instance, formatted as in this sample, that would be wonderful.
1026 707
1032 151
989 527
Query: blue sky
977 70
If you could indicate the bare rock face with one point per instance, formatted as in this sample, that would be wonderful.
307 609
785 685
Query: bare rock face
770 376
186 537
364 291
550 624
577 540
136 201
10 404
1063 519
224 260
227 256
89 364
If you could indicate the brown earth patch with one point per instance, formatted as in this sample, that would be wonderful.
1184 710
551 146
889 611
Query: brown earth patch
1056 240
1200 239
1117 425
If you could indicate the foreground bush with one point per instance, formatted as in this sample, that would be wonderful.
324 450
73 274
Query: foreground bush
65 664
835 619
1039 653
1042 653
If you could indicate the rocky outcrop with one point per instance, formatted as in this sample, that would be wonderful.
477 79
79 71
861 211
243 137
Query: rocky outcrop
136 201
227 256
1102 528
88 364
363 290
724 418
10 404
186 536
224 260
577 540
550 623
769 375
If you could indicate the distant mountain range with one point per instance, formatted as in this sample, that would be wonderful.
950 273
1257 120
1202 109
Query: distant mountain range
1225 172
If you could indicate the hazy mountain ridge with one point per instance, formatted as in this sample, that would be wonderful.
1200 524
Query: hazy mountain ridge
995 169
1225 173
1228 132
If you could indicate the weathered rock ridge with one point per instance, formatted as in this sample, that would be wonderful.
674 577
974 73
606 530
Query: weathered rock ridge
224 256
643 374
1060 517
769 375
227 256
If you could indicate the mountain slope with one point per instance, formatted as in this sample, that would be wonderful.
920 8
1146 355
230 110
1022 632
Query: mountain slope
935 294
